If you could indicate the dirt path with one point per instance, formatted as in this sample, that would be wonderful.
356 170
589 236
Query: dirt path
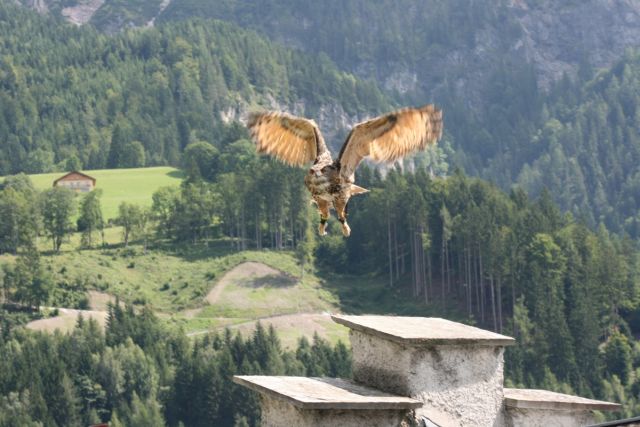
291 327
100 300
308 322
245 272
66 320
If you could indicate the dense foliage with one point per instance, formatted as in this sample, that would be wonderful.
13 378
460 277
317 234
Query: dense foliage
140 373
579 139
587 151
167 87
501 261
78 99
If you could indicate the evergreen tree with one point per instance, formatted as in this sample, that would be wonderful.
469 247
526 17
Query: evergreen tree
617 355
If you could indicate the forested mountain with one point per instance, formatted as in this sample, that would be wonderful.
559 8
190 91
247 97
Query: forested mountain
74 98
505 74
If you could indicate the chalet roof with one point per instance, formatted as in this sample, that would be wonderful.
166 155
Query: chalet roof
77 173
543 399
419 331
325 393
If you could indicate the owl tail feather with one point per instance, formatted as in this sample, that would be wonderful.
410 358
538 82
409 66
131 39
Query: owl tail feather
357 190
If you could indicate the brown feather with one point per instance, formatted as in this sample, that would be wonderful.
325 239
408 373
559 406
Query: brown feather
390 137
292 140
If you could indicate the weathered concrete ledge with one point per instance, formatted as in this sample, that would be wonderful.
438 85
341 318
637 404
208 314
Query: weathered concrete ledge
543 399
325 393
422 331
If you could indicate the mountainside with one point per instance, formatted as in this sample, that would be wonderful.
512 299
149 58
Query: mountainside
406 44
72 98
500 71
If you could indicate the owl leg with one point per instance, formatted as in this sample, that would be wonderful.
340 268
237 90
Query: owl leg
341 210
323 207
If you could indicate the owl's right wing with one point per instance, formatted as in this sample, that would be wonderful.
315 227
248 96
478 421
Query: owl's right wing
390 137
290 139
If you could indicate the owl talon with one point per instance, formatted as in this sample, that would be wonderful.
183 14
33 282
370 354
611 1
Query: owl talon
322 229
346 230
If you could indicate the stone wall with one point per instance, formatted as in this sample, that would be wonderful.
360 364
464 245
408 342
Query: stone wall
519 417
454 381
278 413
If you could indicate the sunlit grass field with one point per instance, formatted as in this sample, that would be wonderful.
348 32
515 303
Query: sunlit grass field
121 185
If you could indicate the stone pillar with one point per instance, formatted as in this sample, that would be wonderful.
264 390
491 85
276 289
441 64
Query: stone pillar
540 408
326 402
455 370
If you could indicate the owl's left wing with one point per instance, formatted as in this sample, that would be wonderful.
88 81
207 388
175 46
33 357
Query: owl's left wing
290 139
389 137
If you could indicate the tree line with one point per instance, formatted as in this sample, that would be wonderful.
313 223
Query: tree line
138 372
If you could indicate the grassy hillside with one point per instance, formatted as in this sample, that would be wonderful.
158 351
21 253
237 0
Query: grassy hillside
202 288
121 185
190 287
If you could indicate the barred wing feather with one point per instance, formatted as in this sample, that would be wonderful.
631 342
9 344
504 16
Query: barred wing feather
390 137
290 139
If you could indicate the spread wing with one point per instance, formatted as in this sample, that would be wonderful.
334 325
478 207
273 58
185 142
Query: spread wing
389 137
290 139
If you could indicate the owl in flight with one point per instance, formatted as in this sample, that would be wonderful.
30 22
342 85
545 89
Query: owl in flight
298 141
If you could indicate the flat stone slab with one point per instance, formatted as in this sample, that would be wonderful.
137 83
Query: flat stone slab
325 393
543 399
420 331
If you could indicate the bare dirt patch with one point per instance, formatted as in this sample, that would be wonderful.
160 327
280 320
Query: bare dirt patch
191 313
67 319
291 327
254 274
100 300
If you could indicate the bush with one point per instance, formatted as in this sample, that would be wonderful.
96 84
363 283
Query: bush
83 303
141 300
332 252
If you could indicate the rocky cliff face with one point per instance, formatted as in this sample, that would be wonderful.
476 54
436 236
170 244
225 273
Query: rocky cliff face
558 36
554 37
333 120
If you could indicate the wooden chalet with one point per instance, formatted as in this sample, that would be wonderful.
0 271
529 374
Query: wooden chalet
76 181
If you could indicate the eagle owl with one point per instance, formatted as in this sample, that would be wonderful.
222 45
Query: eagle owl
298 141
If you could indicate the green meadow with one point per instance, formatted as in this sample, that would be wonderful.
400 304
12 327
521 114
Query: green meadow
121 185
